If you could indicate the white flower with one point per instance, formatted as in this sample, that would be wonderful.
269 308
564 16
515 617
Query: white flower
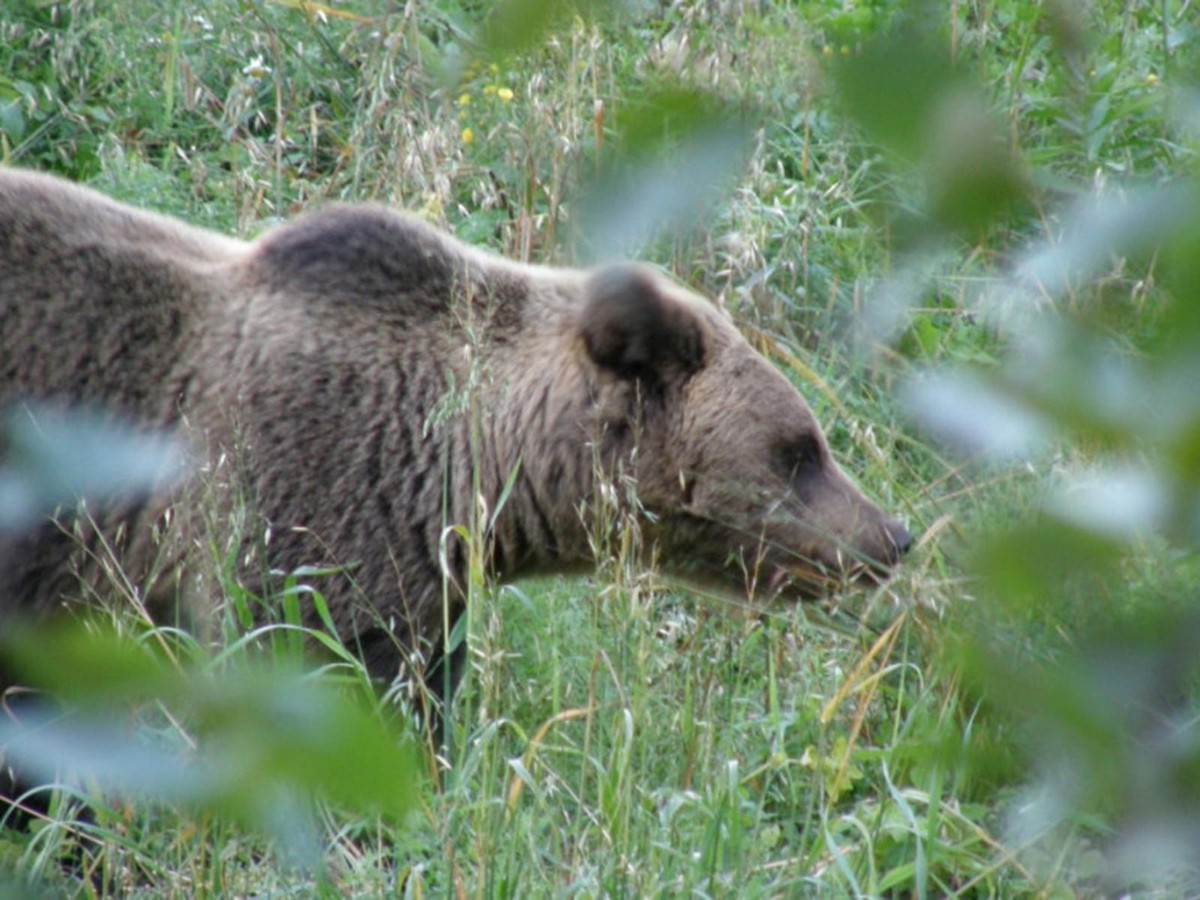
256 68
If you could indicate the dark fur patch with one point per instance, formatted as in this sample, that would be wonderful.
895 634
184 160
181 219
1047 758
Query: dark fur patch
362 254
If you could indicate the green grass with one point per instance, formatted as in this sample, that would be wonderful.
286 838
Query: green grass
615 736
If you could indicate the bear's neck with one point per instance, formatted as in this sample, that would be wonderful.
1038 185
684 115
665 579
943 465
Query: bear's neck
525 471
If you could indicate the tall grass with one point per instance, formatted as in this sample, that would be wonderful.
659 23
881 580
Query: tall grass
617 736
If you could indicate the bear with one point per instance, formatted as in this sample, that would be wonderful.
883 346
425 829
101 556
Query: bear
378 383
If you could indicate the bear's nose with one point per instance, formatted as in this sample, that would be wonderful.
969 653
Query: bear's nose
899 537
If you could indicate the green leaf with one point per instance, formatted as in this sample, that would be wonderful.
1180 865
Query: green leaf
12 121
252 744
893 88
513 26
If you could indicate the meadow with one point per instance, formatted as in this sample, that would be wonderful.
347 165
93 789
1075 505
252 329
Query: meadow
969 233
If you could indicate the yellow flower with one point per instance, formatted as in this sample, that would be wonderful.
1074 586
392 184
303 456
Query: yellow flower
505 94
468 136
827 50
490 89
464 99
1151 79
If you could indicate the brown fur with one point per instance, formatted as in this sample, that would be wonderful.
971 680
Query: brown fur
344 358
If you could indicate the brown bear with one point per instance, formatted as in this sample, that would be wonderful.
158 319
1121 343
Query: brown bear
378 382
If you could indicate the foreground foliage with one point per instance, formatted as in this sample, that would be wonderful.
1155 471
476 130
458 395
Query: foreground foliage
876 193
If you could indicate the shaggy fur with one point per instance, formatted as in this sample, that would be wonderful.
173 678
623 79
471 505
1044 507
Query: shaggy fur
368 372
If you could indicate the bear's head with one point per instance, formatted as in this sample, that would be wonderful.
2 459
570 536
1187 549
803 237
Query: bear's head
732 468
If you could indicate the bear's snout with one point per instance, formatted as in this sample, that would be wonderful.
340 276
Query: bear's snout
893 541
899 539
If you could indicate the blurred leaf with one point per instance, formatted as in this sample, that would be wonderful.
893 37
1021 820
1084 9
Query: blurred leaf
1077 378
12 122
76 661
258 745
967 412
892 89
1124 502
1032 565
624 211
1178 228
513 26
1122 223
54 456
676 150
666 116
973 177
905 94
1113 722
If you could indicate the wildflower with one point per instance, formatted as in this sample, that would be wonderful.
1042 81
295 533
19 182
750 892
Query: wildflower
256 68
490 89
468 136
1152 79
827 50
505 94
464 100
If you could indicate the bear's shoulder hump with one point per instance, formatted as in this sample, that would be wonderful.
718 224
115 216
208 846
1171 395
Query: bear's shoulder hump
359 249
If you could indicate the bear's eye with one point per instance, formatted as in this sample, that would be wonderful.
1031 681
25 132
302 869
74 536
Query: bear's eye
618 432
802 456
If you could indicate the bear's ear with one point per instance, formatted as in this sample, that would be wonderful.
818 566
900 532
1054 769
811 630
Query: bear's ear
631 327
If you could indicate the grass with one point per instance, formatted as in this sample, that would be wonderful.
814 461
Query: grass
617 736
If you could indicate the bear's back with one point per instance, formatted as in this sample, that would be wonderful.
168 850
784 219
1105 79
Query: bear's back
88 281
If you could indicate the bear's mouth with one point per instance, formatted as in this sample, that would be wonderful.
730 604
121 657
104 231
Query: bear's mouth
820 574
813 580
808 581
770 568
